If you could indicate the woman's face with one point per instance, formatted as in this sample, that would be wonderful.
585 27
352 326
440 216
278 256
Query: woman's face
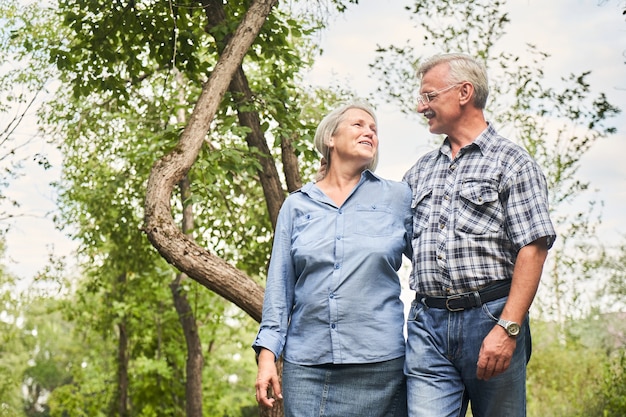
355 138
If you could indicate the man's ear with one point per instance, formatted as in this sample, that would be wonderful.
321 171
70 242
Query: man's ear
466 93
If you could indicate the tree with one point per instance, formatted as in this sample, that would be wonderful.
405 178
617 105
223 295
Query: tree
121 108
117 112
37 350
174 246
13 355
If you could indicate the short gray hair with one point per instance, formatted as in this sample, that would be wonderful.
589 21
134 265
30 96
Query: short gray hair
462 68
328 127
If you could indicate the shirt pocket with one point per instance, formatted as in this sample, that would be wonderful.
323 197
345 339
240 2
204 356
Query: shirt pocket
480 210
421 206
309 227
374 220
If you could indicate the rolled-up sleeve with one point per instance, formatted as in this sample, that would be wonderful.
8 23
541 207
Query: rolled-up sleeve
279 290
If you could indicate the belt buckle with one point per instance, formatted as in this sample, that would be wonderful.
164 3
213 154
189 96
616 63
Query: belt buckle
453 297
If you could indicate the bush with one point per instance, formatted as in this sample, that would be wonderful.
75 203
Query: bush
563 376
610 400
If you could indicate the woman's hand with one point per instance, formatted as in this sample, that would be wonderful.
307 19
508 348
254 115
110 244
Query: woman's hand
266 379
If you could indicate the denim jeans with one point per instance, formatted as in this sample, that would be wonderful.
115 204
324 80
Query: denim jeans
441 357
362 390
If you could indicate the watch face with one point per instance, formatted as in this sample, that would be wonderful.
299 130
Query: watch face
513 329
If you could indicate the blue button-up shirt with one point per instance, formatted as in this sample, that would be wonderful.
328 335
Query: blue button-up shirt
473 213
333 292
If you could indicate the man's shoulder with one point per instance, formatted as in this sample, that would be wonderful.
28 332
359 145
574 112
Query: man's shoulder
504 149
423 162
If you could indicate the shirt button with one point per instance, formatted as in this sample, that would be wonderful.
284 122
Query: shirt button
338 237
337 266
332 295
441 226
332 326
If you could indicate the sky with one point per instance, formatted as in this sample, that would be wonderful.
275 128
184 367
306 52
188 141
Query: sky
587 35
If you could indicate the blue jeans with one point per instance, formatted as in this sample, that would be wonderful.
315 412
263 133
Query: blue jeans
362 390
442 352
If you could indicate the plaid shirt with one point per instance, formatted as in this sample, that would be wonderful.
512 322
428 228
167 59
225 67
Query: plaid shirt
471 215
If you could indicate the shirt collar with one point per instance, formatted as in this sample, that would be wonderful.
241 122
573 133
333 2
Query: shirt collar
485 142
365 175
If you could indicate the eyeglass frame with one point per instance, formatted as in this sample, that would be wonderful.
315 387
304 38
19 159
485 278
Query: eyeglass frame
425 98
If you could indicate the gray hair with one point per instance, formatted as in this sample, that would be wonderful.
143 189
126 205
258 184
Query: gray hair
462 68
328 127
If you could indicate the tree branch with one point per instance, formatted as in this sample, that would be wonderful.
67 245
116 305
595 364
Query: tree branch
207 269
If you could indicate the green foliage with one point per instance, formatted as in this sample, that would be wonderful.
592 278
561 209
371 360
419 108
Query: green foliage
131 74
612 398
613 263
37 356
115 46
128 115
580 375
14 346
230 365
560 373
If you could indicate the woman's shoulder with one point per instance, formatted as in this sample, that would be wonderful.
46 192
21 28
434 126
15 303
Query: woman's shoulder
398 191
397 186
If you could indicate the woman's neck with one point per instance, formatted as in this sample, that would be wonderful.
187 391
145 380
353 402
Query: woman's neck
338 184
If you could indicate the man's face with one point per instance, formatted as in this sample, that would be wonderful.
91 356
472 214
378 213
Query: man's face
440 100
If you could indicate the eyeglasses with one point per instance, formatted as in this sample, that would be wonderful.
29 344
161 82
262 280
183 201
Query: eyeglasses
426 98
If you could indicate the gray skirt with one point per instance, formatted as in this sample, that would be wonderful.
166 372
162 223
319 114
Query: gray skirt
361 390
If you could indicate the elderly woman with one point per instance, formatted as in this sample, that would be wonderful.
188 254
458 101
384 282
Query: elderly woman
332 304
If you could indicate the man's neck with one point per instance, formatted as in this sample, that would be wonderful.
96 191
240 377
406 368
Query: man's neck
468 129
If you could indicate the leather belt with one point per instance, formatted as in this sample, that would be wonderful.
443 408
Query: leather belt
467 300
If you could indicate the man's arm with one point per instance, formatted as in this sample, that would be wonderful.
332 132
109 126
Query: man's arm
498 347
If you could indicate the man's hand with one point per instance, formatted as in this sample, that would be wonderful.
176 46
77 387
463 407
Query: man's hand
267 377
495 353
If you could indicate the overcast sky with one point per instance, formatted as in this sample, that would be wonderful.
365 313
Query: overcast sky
579 35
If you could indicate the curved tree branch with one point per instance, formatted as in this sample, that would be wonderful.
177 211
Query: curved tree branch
159 226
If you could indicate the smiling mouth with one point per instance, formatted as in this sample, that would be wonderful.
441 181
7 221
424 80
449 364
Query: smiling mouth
429 114
366 143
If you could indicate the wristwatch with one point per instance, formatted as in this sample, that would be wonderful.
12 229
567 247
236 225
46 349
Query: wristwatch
512 328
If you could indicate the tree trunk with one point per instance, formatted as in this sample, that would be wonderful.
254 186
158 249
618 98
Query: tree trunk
290 165
121 399
179 250
195 359
239 86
